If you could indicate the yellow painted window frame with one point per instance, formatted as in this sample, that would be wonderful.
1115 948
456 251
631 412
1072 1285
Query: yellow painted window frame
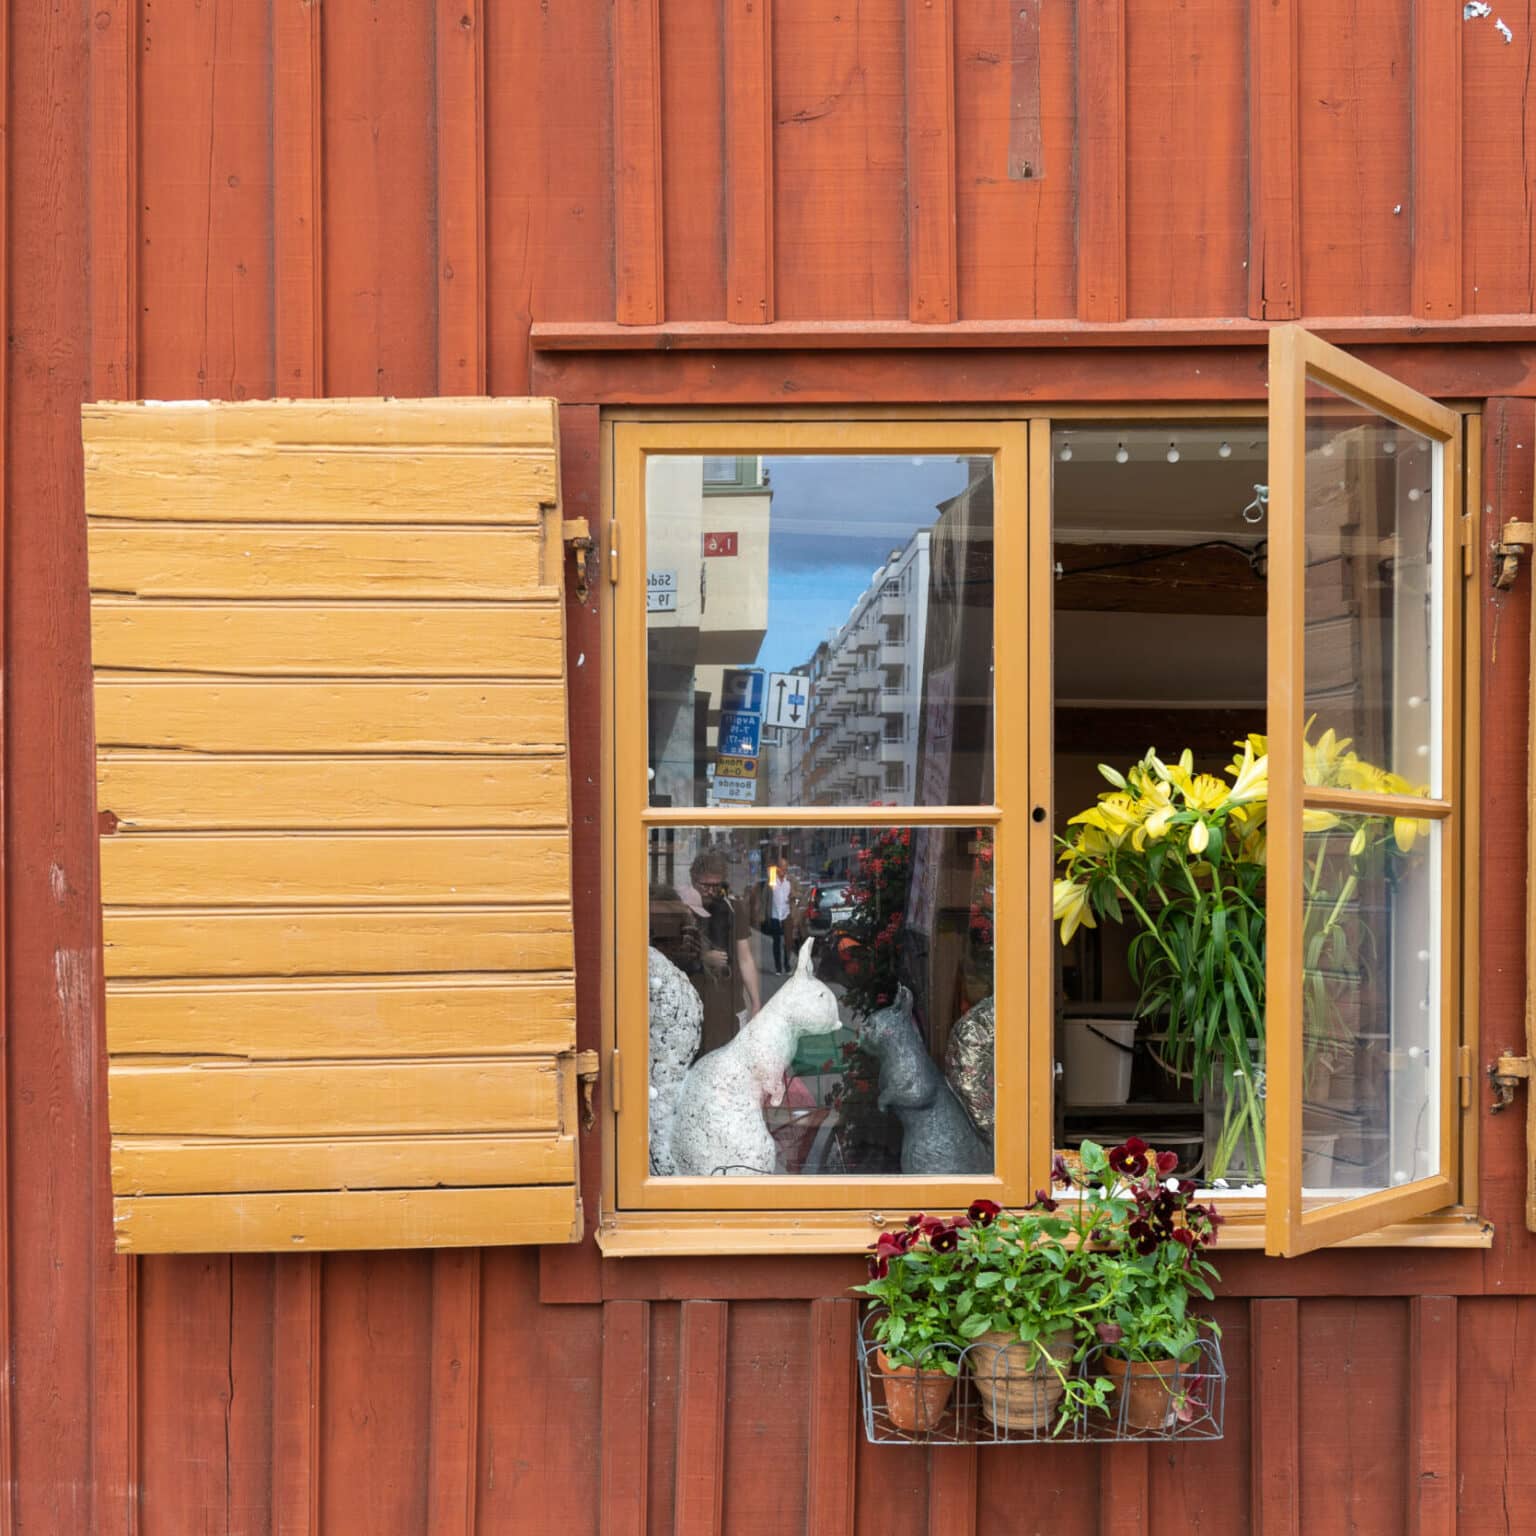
633 443
740 1216
1298 359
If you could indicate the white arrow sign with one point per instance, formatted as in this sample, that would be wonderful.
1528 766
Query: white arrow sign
789 701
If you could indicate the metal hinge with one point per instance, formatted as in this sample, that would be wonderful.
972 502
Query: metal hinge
586 1076
578 535
1504 1076
613 552
615 1089
1464 1075
1517 539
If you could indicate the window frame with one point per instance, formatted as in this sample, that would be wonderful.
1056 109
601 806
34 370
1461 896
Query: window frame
709 1224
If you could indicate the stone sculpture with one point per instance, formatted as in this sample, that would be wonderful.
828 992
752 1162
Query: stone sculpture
936 1133
970 1063
677 1023
718 1126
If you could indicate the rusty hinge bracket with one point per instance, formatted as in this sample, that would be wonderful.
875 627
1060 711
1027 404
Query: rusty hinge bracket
1517 540
578 535
1504 1076
586 1076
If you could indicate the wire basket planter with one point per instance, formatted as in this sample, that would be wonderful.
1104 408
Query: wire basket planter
996 1396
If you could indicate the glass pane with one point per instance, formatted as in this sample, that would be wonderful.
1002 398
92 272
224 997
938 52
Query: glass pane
1372 644
819 629
1370 1004
821 1000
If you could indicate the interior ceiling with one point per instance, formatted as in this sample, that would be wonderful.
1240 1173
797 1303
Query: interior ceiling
1147 499
1139 660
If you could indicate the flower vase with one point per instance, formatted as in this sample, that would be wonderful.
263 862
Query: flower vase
915 1398
1234 1151
1018 1386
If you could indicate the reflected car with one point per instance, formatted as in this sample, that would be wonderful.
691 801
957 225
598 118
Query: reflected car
827 906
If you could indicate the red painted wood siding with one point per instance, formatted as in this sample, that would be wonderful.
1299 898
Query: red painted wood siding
246 198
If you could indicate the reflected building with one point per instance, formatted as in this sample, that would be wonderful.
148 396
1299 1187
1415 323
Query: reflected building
860 744
707 605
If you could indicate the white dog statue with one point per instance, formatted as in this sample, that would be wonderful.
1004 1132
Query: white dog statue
719 1127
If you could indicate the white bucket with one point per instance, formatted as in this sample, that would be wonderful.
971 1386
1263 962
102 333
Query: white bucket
1317 1163
1096 1060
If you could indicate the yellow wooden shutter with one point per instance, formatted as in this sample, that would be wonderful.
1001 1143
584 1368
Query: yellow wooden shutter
335 804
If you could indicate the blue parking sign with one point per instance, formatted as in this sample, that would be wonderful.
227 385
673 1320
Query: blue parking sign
740 733
741 691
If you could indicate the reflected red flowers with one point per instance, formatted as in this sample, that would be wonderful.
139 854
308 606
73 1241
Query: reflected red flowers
1167 1162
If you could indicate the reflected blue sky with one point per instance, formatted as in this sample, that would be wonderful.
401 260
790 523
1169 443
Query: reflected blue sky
835 520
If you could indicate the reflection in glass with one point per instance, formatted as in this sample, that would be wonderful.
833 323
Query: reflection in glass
819 629
1370 1003
821 1000
1373 663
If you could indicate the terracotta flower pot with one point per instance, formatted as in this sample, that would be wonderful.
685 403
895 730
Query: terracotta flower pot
1147 1388
914 1398
1017 1385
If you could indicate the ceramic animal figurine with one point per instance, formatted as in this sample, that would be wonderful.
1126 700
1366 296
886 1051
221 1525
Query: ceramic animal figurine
677 1024
968 1063
718 1126
936 1133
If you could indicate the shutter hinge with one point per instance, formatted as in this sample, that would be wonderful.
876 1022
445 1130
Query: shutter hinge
578 535
1504 1076
615 1083
1517 540
586 1076
1464 1075
613 552
1468 534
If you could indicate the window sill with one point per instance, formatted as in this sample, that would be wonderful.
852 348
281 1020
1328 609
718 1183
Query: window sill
691 1234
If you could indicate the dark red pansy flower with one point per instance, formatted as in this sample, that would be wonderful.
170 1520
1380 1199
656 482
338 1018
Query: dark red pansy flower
1144 1238
1043 1201
1185 1236
930 1226
946 1241
1130 1157
984 1212
916 1220
1167 1162
1187 1187
1110 1333
1060 1173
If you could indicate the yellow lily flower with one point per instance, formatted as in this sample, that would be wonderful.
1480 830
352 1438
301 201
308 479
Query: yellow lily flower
1358 841
1407 830
1069 906
1199 837
1318 821
1252 777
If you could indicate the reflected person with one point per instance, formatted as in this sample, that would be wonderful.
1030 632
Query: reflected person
717 953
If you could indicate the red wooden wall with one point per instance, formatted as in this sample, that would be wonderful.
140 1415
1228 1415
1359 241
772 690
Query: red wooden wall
250 197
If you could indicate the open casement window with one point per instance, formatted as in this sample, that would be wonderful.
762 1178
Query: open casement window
334 800
821 766
1365 587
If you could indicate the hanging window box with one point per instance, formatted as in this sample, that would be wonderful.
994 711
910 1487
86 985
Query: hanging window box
990 1395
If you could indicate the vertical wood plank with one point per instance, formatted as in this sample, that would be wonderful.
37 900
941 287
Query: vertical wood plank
1274 131
296 184
639 284
931 259
1274 1432
296 1396
7 1319
1123 1508
461 313
699 1482
951 1490
114 309
625 1417
1432 1371
1437 208
831 1466
455 1391
693 96
1101 160
749 161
